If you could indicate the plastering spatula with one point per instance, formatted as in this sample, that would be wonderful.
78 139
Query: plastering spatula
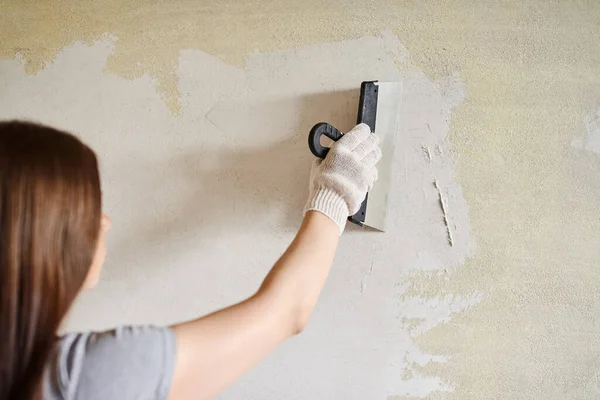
379 108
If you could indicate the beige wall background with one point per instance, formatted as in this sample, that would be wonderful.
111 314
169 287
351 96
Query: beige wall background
512 91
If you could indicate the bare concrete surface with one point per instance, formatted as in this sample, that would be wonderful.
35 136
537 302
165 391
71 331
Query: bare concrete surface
199 112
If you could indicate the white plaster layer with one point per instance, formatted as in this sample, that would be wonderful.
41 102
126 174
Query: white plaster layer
590 140
204 202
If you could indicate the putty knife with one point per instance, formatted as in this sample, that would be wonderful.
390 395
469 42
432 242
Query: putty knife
379 108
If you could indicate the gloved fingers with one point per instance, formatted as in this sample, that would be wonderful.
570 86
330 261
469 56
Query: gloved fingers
367 180
367 145
371 159
374 176
355 201
356 136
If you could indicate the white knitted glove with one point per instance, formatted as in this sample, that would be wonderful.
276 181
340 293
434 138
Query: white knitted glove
340 182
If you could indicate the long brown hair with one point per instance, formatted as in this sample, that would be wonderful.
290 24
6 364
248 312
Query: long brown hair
50 211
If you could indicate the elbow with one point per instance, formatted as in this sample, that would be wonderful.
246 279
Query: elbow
300 320
291 315
298 329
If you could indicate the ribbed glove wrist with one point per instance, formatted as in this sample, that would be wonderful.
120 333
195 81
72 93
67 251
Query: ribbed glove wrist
330 204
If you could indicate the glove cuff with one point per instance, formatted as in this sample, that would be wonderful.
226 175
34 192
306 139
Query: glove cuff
330 204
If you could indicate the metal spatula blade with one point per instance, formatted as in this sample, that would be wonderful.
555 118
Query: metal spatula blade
387 122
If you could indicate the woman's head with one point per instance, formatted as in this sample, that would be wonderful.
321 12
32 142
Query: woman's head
51 226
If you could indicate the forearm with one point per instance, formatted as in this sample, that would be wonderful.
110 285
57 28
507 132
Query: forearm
223 345
214 350
296 279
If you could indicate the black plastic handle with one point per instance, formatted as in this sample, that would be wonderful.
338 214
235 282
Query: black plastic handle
314 138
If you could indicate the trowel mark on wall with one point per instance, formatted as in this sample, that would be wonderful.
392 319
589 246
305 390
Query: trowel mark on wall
590 140
427 153
423 314
451 90
420 315
445 211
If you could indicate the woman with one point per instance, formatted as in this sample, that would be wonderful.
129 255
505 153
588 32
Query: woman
52 245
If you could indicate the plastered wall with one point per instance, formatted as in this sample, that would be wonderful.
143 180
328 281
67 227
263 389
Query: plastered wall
199 113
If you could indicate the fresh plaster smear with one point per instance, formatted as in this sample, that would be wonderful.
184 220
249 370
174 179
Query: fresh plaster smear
590 140
203 203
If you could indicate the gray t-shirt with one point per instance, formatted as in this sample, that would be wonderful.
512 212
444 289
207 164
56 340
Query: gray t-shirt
124 363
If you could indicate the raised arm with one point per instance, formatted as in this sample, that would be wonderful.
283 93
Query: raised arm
214 350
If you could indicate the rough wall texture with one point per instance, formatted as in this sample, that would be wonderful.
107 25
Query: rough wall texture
518 84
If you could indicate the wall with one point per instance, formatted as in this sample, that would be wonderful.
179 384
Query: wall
199 113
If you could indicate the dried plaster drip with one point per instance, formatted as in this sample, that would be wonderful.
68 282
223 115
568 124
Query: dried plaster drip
445 210
427 152
439 150
363 283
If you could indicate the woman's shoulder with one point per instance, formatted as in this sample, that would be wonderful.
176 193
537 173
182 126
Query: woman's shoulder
125 362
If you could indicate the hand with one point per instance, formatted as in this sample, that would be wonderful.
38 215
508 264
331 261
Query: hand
340 182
